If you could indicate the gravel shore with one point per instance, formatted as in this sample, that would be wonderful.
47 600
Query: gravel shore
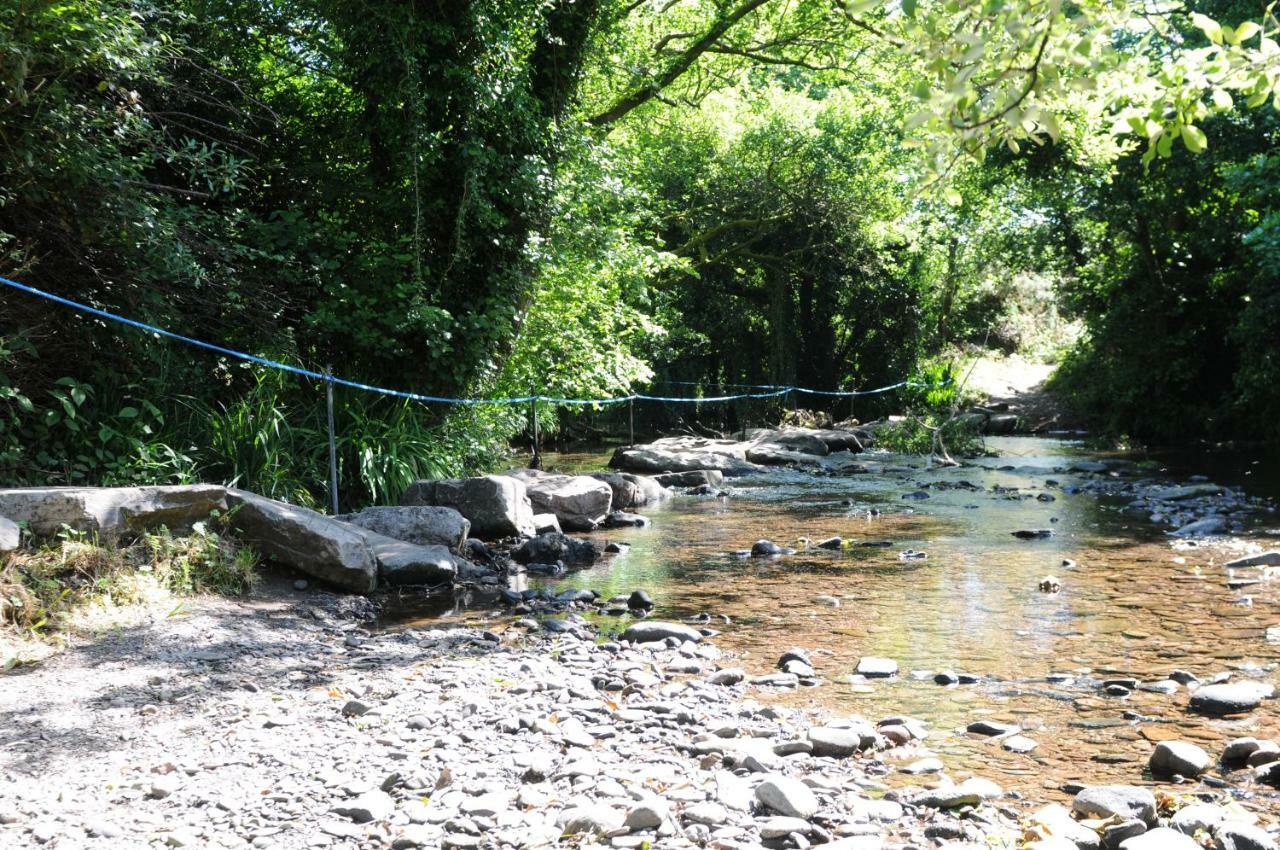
279 722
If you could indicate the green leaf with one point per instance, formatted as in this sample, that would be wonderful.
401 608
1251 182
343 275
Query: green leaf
1193 137
1246 30
1208 26
128 412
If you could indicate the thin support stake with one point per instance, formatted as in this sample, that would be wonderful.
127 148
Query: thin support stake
631 415
536 462
333 443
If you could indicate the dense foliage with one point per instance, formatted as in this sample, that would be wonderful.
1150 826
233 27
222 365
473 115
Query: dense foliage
578 197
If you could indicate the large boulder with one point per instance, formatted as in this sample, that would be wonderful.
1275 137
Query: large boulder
648 459
402 563
10 535
312 543
425 525
554 546
496 505
579 502
632 491
842 439
111 512
799 440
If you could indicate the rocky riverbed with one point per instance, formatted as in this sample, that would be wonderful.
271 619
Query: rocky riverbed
944 692
280 722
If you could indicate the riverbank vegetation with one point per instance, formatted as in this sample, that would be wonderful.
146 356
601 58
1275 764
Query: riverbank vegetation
588 198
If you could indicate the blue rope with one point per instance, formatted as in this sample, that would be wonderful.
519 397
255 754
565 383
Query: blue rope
774 390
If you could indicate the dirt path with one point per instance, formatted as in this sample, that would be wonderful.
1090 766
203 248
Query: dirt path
1020 383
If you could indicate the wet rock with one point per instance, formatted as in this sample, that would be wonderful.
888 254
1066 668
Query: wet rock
1268 774
1050 584
1230 698
650 813
552 547
830 543
1243 836
838 742
650 631
1265 559
877 668
992 728
305 540
971 792
1160 839
579 502
1238 750
1267 752
639 600
370 806
923 766
767 548
1019 744
1124 801
633 491
400 563
1203 527
1185 491
425 525
546 524
497 506
729 676
1178 758
657 458
787 796
915 496
1114 834
622 519
694 478
1198 817
1033 533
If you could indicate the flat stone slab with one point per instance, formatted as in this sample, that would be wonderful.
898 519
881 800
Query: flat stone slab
309 542
877 668
1231 697
111 512
1264 559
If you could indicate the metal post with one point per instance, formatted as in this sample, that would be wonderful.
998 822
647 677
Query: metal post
333 442
631 415
536 461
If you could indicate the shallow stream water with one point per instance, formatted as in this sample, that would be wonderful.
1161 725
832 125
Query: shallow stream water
1132 604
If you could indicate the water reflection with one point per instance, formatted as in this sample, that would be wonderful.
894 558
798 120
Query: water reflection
1129 604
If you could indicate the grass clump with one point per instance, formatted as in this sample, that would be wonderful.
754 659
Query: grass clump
43 587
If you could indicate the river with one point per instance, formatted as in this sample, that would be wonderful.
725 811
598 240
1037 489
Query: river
1132 604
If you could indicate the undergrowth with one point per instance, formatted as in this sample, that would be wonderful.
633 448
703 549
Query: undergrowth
915 435
41 588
